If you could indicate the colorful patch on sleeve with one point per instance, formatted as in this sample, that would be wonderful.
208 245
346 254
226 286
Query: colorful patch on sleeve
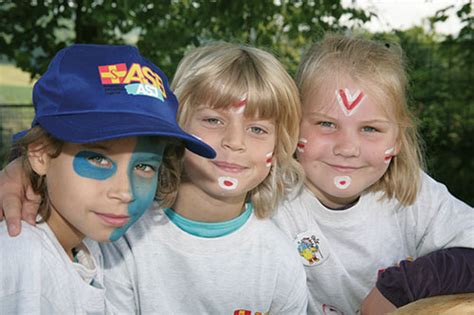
310 248
349 102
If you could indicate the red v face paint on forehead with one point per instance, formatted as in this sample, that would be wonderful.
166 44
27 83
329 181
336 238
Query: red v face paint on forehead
349 102
239 107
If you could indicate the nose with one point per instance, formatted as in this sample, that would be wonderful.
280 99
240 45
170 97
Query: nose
120 189
347 144
234 138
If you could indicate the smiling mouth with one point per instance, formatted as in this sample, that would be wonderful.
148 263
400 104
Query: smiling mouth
229 167
112 219
343 168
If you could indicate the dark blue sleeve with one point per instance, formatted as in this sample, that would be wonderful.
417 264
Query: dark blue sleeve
443 272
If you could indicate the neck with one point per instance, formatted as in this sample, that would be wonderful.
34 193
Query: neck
67 235
204 208
332 202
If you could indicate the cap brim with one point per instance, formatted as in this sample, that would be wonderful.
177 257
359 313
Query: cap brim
87 127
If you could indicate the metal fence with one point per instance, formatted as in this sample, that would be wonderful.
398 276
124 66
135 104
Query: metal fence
13 118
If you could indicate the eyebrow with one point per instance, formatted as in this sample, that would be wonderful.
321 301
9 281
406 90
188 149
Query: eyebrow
95 145
372 121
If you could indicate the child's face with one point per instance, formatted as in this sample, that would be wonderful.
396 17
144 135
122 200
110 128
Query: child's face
244 148
101 189
346 142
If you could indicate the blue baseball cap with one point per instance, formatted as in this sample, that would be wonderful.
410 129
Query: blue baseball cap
93 93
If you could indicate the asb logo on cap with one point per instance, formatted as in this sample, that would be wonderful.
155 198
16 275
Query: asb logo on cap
138 80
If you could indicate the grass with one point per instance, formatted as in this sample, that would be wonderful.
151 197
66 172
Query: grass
15 85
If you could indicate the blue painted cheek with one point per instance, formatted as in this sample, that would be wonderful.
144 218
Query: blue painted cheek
84 168
143 189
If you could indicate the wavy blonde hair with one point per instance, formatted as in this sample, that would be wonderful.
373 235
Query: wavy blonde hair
220 74
380 66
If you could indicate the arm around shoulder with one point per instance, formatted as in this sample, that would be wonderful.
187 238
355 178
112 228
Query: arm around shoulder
443 272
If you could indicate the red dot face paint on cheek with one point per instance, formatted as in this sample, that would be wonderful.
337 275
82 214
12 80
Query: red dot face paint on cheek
268 159
301 145
228 183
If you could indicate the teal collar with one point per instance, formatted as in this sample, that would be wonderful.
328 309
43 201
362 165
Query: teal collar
209 229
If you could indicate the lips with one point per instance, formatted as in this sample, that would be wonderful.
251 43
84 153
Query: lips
113 219
229 167
343 168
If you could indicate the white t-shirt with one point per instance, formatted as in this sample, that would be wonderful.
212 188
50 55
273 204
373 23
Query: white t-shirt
37 277
343 250
157 268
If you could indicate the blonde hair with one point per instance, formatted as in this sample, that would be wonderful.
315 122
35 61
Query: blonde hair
53 147
380 66
220 74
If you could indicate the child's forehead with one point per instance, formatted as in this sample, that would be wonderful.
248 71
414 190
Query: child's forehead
330 95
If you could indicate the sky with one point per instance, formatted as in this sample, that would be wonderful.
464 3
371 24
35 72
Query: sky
403 14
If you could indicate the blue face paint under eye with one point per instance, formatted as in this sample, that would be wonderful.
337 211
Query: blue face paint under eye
143 189
84 167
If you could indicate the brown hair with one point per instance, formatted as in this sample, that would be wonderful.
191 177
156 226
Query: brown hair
21 148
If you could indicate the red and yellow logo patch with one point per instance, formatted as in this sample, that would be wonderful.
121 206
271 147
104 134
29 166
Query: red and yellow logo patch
140 80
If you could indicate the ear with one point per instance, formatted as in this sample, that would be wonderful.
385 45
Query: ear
38 157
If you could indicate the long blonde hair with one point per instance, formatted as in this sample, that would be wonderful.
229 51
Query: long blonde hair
381 66
219 75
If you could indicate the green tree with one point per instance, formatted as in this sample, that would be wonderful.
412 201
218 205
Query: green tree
32 31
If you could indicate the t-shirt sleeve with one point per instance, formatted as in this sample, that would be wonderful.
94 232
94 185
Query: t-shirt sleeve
443 272
440 219
291 292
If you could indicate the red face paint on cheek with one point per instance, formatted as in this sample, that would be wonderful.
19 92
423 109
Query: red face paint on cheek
388 155
301 145
268 159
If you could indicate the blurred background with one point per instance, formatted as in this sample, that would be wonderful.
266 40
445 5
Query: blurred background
437 36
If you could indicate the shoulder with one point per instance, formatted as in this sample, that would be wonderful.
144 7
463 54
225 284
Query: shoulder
31 239
272 238
435 194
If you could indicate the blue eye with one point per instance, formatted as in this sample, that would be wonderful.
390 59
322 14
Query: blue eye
212 121
100 161
146 170
369 129
327 124
257 130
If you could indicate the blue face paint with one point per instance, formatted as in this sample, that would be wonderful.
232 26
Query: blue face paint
84 167
147 151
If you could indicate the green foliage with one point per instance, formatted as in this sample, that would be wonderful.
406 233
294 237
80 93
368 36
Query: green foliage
166 29
440 68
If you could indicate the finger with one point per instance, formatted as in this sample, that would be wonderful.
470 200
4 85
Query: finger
11 209
30 206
